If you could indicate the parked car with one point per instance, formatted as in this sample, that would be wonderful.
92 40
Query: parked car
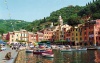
3 48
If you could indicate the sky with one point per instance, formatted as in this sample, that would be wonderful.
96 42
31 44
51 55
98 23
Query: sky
30 10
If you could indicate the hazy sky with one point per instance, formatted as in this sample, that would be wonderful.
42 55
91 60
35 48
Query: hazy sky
30 10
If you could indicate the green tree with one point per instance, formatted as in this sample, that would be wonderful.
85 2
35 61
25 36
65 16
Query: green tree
74 20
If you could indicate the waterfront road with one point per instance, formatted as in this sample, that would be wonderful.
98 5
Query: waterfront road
3 53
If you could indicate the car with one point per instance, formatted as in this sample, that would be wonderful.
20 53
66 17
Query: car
3 48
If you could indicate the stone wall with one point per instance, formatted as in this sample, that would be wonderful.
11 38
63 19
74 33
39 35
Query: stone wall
21 57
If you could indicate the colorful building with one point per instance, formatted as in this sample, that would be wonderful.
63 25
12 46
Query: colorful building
4 36
40 36
91 32
30 37
48 34
24 35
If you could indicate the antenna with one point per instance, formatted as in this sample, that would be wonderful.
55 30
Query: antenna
5 1
7 8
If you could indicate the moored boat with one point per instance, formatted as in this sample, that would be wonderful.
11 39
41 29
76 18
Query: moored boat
66 50
29 51
39 51
91 48
72 49
49 55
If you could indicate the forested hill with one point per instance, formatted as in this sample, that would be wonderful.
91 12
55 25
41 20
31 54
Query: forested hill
91 9
9 25
65 12
71 15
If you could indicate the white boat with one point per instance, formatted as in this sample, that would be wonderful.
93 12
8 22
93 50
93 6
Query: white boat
98 48
71 49
49 55
66 50
81 49
29 51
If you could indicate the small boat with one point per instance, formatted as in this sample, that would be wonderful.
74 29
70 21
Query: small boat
66 50
81 49
98 48
49 55
91 48
39 52
29 51
72 49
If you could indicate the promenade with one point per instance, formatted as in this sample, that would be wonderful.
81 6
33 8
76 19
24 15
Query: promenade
3 53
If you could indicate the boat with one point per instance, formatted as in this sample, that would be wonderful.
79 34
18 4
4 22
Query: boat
49 55
98 48
91 48
73 49
39 51
81 49
29 51
66 50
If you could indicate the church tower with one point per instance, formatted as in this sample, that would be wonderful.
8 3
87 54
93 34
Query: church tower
51 25
60 20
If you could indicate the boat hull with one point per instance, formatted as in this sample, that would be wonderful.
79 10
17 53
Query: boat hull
29 51
48 55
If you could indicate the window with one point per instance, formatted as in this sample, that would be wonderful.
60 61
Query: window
85 28
99 32
12 40
72 34
85 38
80 33
76 34
84 33
80 38
76 38
72 38
12 36
76 29
99 38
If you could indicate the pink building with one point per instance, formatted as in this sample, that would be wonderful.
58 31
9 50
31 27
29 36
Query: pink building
48 34
40 37
91 32
4 36
30 37
35 39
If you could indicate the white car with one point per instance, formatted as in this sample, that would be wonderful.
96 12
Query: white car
3 48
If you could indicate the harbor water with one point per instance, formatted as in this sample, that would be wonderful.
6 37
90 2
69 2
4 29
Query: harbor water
89 56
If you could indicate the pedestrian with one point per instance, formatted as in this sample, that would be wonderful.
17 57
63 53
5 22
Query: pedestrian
8 56
12 47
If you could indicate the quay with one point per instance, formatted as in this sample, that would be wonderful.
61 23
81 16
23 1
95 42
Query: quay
14 55
3 53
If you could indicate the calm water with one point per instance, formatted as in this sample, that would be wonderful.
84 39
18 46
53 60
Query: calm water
89 56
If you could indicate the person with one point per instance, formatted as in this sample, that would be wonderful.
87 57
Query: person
8 56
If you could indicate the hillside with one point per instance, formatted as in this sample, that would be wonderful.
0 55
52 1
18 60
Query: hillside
65 12
92 9
10 25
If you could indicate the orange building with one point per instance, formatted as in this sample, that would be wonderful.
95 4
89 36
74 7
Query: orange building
48 34
30 37
4 36
91 32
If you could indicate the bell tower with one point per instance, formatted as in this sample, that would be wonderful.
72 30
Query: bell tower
60 20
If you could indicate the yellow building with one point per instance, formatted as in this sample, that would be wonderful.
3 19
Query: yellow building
76 34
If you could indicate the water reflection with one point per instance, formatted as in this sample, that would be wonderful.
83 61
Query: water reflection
97 56
89 56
